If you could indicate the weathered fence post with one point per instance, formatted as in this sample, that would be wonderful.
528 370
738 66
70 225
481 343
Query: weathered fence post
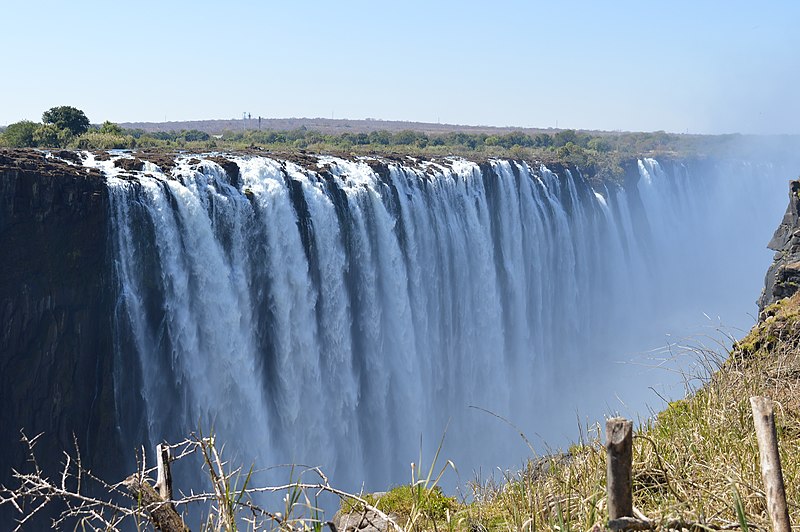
162 513
164 479
764 420
619 460
158 500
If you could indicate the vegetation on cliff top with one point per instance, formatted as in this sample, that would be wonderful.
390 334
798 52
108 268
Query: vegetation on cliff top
597 154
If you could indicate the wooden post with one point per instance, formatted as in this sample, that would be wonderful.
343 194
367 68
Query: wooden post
162 513
619 460
764 420
164 480
158 500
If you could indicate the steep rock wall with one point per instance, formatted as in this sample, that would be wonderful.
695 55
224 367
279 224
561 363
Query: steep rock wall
783 277
55 309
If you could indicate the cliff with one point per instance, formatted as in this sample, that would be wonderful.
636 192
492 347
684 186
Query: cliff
55 307
783 277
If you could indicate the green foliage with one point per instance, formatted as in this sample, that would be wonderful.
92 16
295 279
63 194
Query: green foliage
194 135
110 128
598 155
67 117
51 136
599 144
543 140
407 137
20 134
516 138
562 138
381 138
741 515
97 140
407 499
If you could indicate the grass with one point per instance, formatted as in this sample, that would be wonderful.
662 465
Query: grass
420 505
695 464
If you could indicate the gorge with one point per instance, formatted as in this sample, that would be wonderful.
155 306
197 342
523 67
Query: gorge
332 311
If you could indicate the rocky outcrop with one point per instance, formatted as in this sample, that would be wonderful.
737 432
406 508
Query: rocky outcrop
365 521
230 167
131 165
55 310
783 276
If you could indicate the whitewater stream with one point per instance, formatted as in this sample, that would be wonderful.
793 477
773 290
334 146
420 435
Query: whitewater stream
336 316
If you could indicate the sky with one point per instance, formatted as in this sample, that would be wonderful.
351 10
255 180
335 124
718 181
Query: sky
678 66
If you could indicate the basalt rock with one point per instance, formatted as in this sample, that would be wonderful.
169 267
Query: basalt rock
366 521
230 167
783 276
55 311
131 165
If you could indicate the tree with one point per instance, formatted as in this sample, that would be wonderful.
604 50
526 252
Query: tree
516 138
194 135
50 136
563 137
110 128
20 134
405 137
66 117
599 144
542 140
381 137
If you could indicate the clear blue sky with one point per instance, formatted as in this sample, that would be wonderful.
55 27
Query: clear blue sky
696 66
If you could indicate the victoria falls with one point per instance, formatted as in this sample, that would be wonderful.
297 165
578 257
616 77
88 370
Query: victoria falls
363 313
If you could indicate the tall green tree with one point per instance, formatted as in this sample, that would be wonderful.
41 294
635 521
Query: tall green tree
20 134
66 117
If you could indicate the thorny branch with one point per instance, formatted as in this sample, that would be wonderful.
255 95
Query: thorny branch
225 505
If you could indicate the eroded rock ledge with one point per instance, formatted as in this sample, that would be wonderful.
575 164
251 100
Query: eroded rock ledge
783 276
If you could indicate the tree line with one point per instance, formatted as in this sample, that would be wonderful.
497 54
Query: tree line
597 153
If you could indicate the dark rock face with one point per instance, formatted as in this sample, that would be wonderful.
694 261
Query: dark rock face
783 277
56 353
131 165
230 167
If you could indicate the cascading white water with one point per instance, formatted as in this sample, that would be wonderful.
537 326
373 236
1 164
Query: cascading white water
333 316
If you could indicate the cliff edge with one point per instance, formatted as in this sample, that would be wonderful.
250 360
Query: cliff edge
783 276
55 306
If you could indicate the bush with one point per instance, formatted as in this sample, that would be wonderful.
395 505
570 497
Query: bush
105 141
20 134
110 128
51 136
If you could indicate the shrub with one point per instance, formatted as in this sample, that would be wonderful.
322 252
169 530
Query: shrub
51 136
20 134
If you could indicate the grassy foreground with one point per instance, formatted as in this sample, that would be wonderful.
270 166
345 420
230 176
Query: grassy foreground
696 465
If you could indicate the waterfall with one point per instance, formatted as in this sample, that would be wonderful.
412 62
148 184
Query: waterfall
336 313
